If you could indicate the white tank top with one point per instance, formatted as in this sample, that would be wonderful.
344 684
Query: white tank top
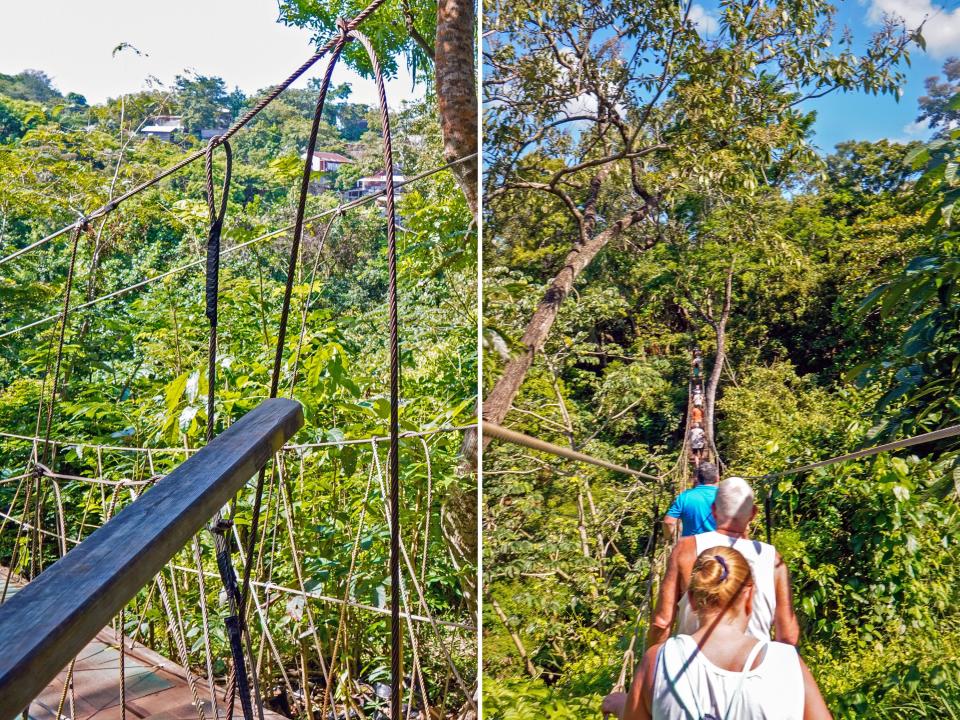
762 558
687 686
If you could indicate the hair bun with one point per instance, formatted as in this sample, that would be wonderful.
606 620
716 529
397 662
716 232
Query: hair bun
723 564
719 575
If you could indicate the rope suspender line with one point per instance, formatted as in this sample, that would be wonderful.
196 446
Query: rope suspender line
61 335
517 438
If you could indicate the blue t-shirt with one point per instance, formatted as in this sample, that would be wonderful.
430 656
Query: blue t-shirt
692 507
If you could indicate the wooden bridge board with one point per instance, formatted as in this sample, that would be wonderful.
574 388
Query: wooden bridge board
156 687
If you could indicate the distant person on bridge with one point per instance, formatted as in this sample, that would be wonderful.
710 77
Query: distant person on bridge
734 509
693 507
697 364
721 671
697 441
696 415
698 397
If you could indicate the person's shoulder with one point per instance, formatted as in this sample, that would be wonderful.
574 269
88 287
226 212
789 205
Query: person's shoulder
783 653
647 670
685 551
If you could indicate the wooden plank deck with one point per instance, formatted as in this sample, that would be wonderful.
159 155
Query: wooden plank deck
156 686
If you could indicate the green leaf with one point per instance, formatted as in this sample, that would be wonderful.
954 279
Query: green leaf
175 391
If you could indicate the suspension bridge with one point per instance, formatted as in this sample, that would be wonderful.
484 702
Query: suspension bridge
82 633
670 483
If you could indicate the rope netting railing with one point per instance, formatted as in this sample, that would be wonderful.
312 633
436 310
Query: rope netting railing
329 592
268 528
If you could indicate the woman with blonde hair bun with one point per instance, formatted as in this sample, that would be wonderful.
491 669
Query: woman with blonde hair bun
721 672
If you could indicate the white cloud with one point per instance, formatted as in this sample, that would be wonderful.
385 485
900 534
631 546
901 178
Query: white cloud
706 23
584 104
942 27
912 131
917 129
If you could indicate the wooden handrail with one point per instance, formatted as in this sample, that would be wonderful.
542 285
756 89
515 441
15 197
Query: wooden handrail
47 623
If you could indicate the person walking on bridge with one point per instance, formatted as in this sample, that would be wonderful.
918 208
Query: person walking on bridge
698 396
696 415
734 509
693 507
698 440
721 671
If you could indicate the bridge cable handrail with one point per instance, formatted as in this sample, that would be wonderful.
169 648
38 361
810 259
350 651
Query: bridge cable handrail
941 434
518 438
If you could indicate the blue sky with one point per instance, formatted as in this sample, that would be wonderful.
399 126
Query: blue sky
243 43
239 40
857 116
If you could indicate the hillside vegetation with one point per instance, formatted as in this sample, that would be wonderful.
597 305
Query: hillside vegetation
134 365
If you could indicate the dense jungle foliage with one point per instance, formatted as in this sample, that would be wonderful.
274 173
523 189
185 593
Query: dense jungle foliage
843 332
134 366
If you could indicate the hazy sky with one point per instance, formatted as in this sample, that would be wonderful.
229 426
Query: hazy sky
241 41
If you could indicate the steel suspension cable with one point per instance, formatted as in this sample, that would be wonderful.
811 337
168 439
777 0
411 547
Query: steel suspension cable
942 434
365 200
517 438
298 227
393 457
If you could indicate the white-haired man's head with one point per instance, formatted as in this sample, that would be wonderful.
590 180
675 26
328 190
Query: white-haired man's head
734 504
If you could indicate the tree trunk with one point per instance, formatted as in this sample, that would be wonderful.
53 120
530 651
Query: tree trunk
459 522
517 642
498 402
457 91
710 396
454 69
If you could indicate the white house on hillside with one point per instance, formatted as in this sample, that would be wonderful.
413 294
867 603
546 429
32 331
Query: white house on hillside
372 184
327 161
163 127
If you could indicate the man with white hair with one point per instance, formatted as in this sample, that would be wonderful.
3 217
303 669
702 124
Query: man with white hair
733 509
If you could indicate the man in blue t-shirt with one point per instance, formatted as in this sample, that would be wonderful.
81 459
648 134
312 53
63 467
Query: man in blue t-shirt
693 507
